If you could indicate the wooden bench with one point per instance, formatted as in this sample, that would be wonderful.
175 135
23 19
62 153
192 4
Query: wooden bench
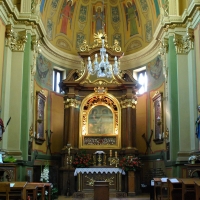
4 190
188 188
40 188
31 191
175 188
197 189
160 188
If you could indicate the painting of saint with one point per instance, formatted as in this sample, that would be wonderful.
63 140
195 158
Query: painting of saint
131 17
156 69
100 121
99 18
66 15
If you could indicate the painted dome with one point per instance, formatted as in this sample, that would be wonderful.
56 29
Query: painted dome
69 22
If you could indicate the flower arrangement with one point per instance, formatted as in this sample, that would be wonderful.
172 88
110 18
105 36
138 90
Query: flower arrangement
82 159
44 177
192 159
130 163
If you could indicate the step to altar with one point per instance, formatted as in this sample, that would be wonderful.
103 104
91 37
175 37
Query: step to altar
91 194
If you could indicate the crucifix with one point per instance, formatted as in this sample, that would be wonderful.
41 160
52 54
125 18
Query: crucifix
148 142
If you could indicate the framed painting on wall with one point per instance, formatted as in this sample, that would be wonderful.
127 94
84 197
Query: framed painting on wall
158 117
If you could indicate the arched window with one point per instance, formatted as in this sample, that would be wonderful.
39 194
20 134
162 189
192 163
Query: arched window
140 75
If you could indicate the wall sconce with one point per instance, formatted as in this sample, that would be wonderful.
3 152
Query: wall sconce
158 121
167 134
39 120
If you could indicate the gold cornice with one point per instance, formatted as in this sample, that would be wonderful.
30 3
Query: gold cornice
72 103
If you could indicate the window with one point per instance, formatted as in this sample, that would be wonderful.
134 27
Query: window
57 78
141 76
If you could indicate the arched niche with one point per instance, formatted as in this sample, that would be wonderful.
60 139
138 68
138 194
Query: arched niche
100 130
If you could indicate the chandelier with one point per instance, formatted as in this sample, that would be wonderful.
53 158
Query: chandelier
102 67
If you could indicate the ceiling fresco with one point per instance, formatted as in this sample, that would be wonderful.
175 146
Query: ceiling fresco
131 22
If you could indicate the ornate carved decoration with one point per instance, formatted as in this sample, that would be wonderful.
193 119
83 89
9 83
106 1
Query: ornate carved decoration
128 103
91 181
98 43
16 41
189 39
35 46
163 50
101 99
184 44
99 141
72 103
100 90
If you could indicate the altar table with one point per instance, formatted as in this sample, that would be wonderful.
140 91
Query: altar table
87 177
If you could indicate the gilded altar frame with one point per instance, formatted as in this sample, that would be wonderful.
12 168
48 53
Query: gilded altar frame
106 134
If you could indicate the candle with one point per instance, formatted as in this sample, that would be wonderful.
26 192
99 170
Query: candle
159 136
115 154
110 153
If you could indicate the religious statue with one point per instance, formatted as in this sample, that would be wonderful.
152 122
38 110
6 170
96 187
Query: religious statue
198 124
1 128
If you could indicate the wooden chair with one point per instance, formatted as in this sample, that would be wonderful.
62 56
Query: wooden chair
4 190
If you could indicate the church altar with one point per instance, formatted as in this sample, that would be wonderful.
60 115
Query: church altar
87 176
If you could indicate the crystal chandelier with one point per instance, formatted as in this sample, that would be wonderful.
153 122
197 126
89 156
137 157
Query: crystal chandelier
102 67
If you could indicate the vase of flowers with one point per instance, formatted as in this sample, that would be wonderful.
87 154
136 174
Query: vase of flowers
82 159
131 165
192 159
44 177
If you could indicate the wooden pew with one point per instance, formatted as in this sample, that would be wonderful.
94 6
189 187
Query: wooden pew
18 190
4 190
157 188
164 189
40 188
175 188
160 188
197 189
31 191
188 188
46 187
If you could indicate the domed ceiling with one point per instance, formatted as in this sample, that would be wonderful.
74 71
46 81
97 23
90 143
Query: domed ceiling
131 22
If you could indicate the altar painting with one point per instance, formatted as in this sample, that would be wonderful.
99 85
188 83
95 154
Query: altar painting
100 120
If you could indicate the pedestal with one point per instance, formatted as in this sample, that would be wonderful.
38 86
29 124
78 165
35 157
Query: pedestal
131 183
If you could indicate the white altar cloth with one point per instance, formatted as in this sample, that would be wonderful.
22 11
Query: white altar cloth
98 170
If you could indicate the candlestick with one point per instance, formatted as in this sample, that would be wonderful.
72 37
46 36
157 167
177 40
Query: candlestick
115 154
110 153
